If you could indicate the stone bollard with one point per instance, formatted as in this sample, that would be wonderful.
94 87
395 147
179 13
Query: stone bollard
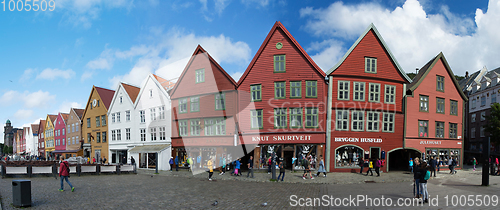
78 169
98 169
29 170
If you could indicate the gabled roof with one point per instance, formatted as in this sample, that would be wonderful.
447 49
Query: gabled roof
34 128
132 91
153 79
424 71
164 83
106 95
65 117
52 117
78 112
384 45
200 50
42 124
279 26
486 79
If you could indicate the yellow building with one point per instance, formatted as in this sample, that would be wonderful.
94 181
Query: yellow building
49 135
94 123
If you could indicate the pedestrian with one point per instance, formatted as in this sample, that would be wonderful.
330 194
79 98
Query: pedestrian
433 164
132 160
93 160
498 166
64 174
210 169
424 176
321 168
410 165
416 177
282 170
453 165
361 164
439 162
171 162
237 164
100 160
250 167
104 160
474 163
307 168
370 166
269 165
190 163
176 163
378 164
223 165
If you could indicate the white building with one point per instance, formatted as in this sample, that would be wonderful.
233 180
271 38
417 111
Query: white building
31 135
122 126
152 129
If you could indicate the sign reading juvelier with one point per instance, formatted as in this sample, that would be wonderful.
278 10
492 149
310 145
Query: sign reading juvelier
356 140
284 139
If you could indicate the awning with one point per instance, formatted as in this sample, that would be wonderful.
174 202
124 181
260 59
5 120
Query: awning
65 151
149 148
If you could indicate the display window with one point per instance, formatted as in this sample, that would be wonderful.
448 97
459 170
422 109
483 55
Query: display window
444 155
348 156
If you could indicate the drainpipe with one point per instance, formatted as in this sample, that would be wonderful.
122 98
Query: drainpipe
328 122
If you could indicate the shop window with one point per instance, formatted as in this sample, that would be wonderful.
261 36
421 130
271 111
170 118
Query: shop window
359 91
439 83
453 107
358 118
374 93
255 91
423 128
439 129
348 157
342 120
311 89
343 90
388 121
424 103
390 94
440 105
295 89
372 121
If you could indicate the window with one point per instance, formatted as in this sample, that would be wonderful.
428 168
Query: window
279 90
209 127
342 120
121 99
374 92
483 101
388 121
473 118
127 133
311 117
439 83
127 115
311 89
481 132
359 91
424 103
161 109
88 138
118 117
152 111
423 128
113 135
279 63
162 133
473 103
295 117
255 90
98 137
103 119
220 126
200 75
473 132
372 121
439 129
142 114
151 93
220 101
357 120
113 118
256 118
88 122
63 131
453 130
153 133
69 128
343 90
63 140
370 65
103 137
195 127
483 116
143 134
440 105
183 105
493 97
295 89
453 107
280 118
97 121
195 104
390 94
183 129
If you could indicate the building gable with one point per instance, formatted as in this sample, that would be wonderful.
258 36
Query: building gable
123 91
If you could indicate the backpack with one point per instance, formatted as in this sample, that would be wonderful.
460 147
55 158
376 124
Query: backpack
427 175
67 168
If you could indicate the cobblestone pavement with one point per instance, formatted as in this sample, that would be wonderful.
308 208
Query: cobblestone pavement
180 190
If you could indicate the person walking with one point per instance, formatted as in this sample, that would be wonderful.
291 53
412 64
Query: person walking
474 163
269 164
416 177
132 160
282 171
378 164
410 165
453 165
321 168
307 168
498 166
424 176
439 162
190 163
210 169
221 165
250 167
171 162
433 164
237 167
370 166
64 174
361 165
176 163
93 160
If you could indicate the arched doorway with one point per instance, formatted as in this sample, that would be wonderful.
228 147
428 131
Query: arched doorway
398 159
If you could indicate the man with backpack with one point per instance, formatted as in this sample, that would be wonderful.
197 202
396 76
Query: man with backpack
64 174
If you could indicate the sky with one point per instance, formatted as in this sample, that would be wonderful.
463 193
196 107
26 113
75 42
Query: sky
49 60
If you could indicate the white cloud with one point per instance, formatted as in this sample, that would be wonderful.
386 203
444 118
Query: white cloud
79 42
66 106
39 99
86 75
83 12
262 3
23 114
51 74
26 77
412 35
236 75
104 61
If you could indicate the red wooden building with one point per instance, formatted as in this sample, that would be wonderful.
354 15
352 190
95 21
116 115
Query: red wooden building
204 112
366 92
41 138
282 96
434 113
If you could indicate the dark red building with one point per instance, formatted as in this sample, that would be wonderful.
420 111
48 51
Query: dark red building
282 96
366 92
41 138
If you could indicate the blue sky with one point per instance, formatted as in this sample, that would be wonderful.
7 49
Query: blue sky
49 60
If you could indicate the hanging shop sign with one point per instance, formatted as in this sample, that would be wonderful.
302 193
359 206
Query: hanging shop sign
358 140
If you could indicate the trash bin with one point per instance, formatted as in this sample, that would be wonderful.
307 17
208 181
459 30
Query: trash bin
21 193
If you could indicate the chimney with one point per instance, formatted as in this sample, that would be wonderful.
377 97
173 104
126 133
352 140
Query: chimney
416 71
466 74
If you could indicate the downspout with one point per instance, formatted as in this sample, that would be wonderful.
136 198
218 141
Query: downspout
328 122
405 101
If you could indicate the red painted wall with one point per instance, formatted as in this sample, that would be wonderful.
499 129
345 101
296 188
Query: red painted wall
60 124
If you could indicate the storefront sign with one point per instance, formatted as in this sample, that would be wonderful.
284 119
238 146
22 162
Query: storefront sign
430 142
282 138
355 140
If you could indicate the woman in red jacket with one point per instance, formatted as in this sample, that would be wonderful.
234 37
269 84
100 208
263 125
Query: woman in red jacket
63 173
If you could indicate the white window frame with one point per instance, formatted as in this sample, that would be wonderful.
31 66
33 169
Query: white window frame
388 123
370 65
342 120
373 120
390 97
357 120
127 133
343 87
358 91
375 93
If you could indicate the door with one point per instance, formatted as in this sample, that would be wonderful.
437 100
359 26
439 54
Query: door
375 152
98 155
